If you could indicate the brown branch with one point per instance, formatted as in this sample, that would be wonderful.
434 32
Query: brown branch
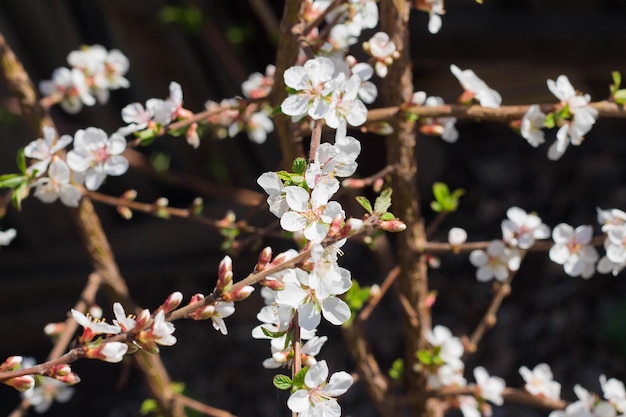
503 113
373 301
444 247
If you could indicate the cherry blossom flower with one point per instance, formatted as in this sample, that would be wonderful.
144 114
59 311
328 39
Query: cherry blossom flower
311 214
450 351
71 89
476 88
583 119
112 352
521 228
6 236
45 392
532 125
93 327
572 250
614 391
218 312
97 156
469 406
437 126
44 149
271 183
160 332
258 85
588 405
317 397
496 262
435 10
540 381
611 218
137 117
313 83
57 185
614 244
345 107
490 387
383 50
283 355
298 295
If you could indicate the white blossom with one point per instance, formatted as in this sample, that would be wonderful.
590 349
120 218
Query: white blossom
478 89
6 236
521 228
496 262
540 381
44 149
491 387
57 185
532 125
572 250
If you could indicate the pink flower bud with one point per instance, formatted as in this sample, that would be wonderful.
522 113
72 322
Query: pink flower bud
21 383
353 183
273 284
59 370
392 225
112 352
280 357
11 363
308 360
378 185
129 195
54 329
70 379
142 319
239 294
172 302
225 274
264 258
432 129
124 212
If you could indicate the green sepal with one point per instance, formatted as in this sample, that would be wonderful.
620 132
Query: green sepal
282 382
365 203
271 334
617 82
387 216
147 136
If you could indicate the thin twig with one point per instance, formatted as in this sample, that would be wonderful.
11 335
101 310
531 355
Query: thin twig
373 301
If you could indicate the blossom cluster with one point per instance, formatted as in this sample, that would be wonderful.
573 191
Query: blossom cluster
94 72
57 175
575 118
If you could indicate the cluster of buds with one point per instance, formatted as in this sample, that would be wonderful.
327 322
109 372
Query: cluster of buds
20 383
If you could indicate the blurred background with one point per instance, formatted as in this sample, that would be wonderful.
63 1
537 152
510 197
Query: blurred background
210 48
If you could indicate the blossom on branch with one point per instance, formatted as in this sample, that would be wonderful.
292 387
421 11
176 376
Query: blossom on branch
435 126
496 262
43 149
573 250
475 88
532 124
317 397
540 382
6 236
57 185
521 228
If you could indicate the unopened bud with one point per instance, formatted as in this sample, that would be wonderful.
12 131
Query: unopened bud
162 202
457 236
124 212
197 205
375 291
392 225
20 383
378 185
280 357
433 261
379 128
95 311
264 258
239 294
142 319
225 274
353 183
172 302
430 299
59 370
432 129
70 379
129 195
11 363
272 284
192 135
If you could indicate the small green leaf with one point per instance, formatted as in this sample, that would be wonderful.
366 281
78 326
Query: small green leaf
549 121
387 216
272 334
620 96
21 161
19 193
383 201
440 191
11 180
299 166
365 203
617 81
178 387
148 406
282 382
436 206
425 357
147 136
444 200
298 380
411 117
396 372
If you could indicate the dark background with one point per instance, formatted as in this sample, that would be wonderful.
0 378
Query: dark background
210 47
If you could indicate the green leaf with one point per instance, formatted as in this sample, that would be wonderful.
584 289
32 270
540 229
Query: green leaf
19 193
147 136
436 206
617 81
299 166
365 203
298 380
444 200
272 334
440 191
11 180
148 406
549 121
383 202
282 382
387 216
620 96
396 372
424 356
160 162
21 161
